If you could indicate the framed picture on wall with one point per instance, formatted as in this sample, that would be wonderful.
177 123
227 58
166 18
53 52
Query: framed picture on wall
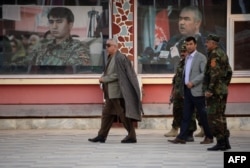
164 25
52 39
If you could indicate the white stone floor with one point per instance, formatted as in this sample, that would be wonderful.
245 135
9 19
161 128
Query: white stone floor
71 149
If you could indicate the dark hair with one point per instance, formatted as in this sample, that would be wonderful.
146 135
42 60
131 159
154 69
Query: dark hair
195 10
61 12
191 38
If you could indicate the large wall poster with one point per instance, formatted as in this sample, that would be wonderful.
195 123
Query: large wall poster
52 40
161 30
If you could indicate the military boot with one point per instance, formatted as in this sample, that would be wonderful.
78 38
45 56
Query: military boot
227 144
219 146
200 134
172 133
190 137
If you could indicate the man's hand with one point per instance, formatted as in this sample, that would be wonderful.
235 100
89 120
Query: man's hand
208 94
189 85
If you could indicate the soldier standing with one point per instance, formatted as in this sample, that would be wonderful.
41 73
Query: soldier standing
218 74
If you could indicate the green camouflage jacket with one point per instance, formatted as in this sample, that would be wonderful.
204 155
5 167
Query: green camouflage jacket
69 52
218 72
178 80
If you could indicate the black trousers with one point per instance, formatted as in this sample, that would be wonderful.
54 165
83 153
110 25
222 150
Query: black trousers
191 102
112 109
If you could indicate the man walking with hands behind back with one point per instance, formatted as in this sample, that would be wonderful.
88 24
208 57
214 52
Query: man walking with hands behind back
218 74
122 95
189 23
178 99
193 95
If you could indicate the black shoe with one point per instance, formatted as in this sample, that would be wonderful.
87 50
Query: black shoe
219 146
190 139
98 139
227 144
129 140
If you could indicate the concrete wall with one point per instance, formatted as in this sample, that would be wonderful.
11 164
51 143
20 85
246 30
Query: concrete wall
157 116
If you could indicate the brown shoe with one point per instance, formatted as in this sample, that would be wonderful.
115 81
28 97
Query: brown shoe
177 141
207 141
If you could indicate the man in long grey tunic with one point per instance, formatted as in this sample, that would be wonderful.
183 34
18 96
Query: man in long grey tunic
122 95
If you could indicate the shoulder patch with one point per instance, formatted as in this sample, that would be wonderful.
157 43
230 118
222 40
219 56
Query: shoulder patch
213 62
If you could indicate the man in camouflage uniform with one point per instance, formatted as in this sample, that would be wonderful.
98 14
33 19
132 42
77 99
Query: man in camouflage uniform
218 74
176 98
63 50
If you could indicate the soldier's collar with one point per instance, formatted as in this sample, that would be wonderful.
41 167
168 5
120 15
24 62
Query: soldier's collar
65 42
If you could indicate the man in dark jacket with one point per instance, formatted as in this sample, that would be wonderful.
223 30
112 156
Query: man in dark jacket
122 95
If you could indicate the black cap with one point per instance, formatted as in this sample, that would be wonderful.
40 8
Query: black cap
213 37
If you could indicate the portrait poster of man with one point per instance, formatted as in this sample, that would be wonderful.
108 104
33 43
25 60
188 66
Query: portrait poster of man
163 26
52 39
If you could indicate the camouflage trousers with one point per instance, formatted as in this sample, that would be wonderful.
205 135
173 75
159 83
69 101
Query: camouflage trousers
177 115
216 107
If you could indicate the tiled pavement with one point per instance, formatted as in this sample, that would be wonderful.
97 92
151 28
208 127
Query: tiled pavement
71 149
